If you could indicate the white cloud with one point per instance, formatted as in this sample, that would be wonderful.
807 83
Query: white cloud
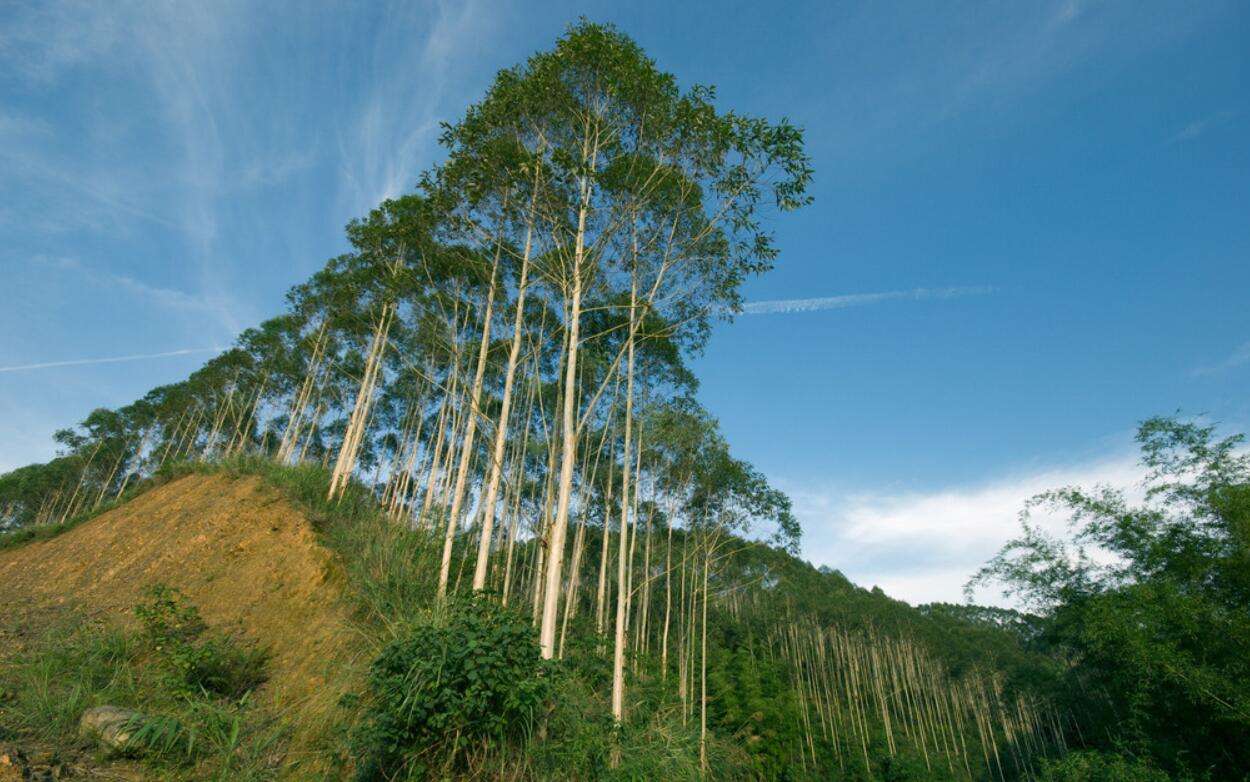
1196 128
39 41
1067 12
266 172
175 300
1239 357
923 546
414 67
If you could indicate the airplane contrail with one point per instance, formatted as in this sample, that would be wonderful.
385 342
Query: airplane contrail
783 306
108 360
771 307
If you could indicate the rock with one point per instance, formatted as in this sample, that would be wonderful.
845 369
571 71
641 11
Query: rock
111 726
12 764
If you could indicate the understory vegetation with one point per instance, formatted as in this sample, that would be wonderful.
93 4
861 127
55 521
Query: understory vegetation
190 688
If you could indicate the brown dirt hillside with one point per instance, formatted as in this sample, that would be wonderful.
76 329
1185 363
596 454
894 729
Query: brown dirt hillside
239 551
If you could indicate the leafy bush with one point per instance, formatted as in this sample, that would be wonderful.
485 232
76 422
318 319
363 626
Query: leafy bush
199 662
459 680
1099 767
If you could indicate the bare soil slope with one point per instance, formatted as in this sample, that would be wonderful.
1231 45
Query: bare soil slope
239 551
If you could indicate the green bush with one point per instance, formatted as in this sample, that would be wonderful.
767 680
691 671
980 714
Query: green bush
469 675
1099 767
198 661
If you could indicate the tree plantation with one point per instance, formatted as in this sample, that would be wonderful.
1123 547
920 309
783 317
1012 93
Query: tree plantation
557 566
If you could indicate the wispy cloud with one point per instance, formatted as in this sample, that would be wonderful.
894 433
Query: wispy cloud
1196 128
269 172
1067 12
1239 357
170 298
28 152
787 306
196 170
77 362
392 134
922 546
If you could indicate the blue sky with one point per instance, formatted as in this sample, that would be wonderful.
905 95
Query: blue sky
1054 196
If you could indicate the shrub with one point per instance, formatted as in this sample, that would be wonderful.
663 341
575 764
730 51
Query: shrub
468 676
198 661
1099 767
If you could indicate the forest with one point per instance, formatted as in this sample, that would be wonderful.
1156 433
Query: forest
561 568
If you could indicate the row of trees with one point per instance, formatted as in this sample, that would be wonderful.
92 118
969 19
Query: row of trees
865 698
501 354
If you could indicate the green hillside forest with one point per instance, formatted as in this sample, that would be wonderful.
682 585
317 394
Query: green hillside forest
557 567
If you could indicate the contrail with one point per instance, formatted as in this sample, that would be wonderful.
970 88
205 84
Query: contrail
783 306
109 360
772 307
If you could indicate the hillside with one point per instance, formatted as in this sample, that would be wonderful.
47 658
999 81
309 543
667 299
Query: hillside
238 551
238 544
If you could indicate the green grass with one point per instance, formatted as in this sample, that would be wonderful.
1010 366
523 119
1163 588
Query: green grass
390 572
184 735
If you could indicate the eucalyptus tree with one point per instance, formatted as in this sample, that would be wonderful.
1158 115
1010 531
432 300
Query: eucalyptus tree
497 169
727 497
623 143
388 243
479 197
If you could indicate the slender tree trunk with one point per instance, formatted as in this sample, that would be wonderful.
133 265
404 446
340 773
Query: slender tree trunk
707 556
633 543
290 435
559 526
542 537
622 596
470 429
345 465
641 646
171 436
436 454
601 595
82 476
518 482
505 407
570 602
668 601
143 443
